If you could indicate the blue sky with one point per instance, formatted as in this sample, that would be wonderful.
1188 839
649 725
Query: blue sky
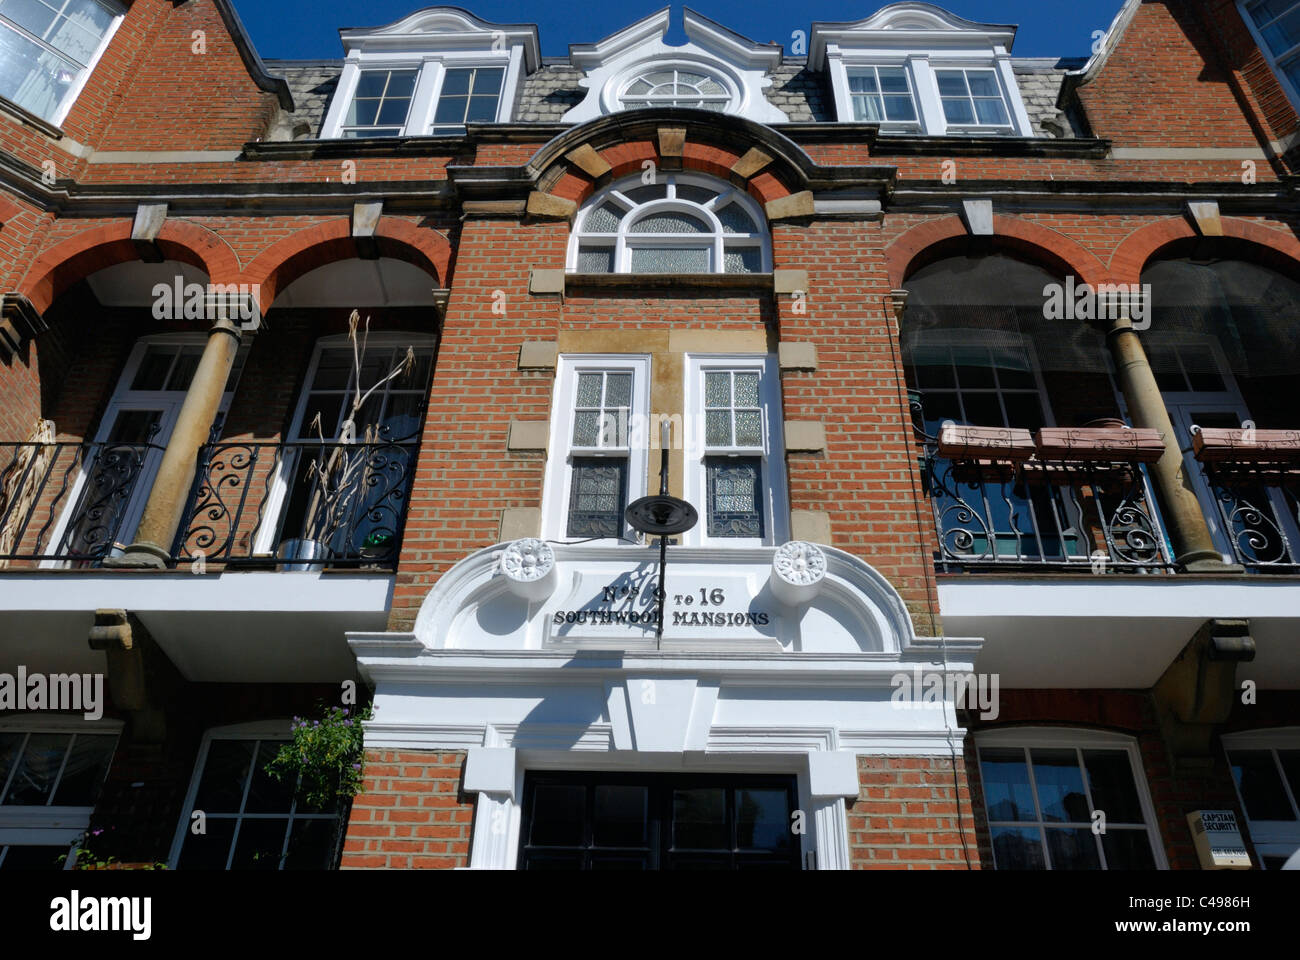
304 29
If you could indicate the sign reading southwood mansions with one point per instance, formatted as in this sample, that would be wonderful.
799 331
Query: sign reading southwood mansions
533 656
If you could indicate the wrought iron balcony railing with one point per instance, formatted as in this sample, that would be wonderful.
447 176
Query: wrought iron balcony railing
1254 479
1060 513
310 503
70 502
265 504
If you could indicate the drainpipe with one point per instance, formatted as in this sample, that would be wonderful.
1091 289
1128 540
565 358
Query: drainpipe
1194 548
166 504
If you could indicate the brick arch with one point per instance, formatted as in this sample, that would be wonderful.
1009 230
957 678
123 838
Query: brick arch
290 258
1144 244
948 234
625 159
74 259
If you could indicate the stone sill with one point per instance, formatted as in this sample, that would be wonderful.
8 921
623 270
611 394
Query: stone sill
29 119
681 281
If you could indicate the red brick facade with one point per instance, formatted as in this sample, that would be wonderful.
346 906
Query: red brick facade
1181 79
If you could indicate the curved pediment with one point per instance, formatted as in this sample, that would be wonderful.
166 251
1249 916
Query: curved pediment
432 28
728 71
913 25
797 598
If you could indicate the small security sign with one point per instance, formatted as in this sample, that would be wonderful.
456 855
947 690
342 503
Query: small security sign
1218 841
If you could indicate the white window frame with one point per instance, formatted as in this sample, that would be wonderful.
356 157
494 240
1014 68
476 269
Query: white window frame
977 128
255 730
559 473
920 69
1078 739
344 126
729 100
74 91
1273 838
898 126
432 70
124 398
1274 61
51 826
717 241
775 498
264 544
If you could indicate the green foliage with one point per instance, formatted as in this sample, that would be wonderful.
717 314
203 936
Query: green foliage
324 757
87 859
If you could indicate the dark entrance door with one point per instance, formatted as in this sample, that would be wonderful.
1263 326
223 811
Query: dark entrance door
609 821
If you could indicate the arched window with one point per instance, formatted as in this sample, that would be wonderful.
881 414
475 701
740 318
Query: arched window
683 223
675 87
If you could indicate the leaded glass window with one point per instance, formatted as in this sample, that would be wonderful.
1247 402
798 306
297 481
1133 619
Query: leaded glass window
733 415
603 404
682 223
596 497
675 87
734 496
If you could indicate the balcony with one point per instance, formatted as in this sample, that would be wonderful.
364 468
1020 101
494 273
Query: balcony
1253 477
1003 498
252 505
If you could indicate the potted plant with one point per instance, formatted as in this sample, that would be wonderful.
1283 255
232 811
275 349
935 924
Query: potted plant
338 476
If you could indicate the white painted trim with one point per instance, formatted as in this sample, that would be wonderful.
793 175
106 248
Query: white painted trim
559 474
776 505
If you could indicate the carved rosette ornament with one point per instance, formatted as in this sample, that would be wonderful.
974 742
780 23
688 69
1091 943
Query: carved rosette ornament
798 569
529 568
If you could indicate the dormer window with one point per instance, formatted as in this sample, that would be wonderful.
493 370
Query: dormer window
429 74
49 47
382 103
882 94
468 95
972 98
914 68
715 70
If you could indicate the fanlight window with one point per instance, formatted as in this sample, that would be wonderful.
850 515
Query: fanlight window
684 223
676 88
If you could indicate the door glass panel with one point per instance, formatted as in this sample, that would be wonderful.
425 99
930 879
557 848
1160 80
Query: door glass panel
700 819
657 821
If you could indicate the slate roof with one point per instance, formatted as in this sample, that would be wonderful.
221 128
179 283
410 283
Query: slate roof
548 93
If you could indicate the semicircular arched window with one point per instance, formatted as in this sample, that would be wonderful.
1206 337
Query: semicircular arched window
684 223
675 87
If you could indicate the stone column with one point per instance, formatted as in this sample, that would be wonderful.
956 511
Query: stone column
166 504
1193 546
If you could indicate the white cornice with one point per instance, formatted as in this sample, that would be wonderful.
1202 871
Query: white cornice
909 25
590 55
436 29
